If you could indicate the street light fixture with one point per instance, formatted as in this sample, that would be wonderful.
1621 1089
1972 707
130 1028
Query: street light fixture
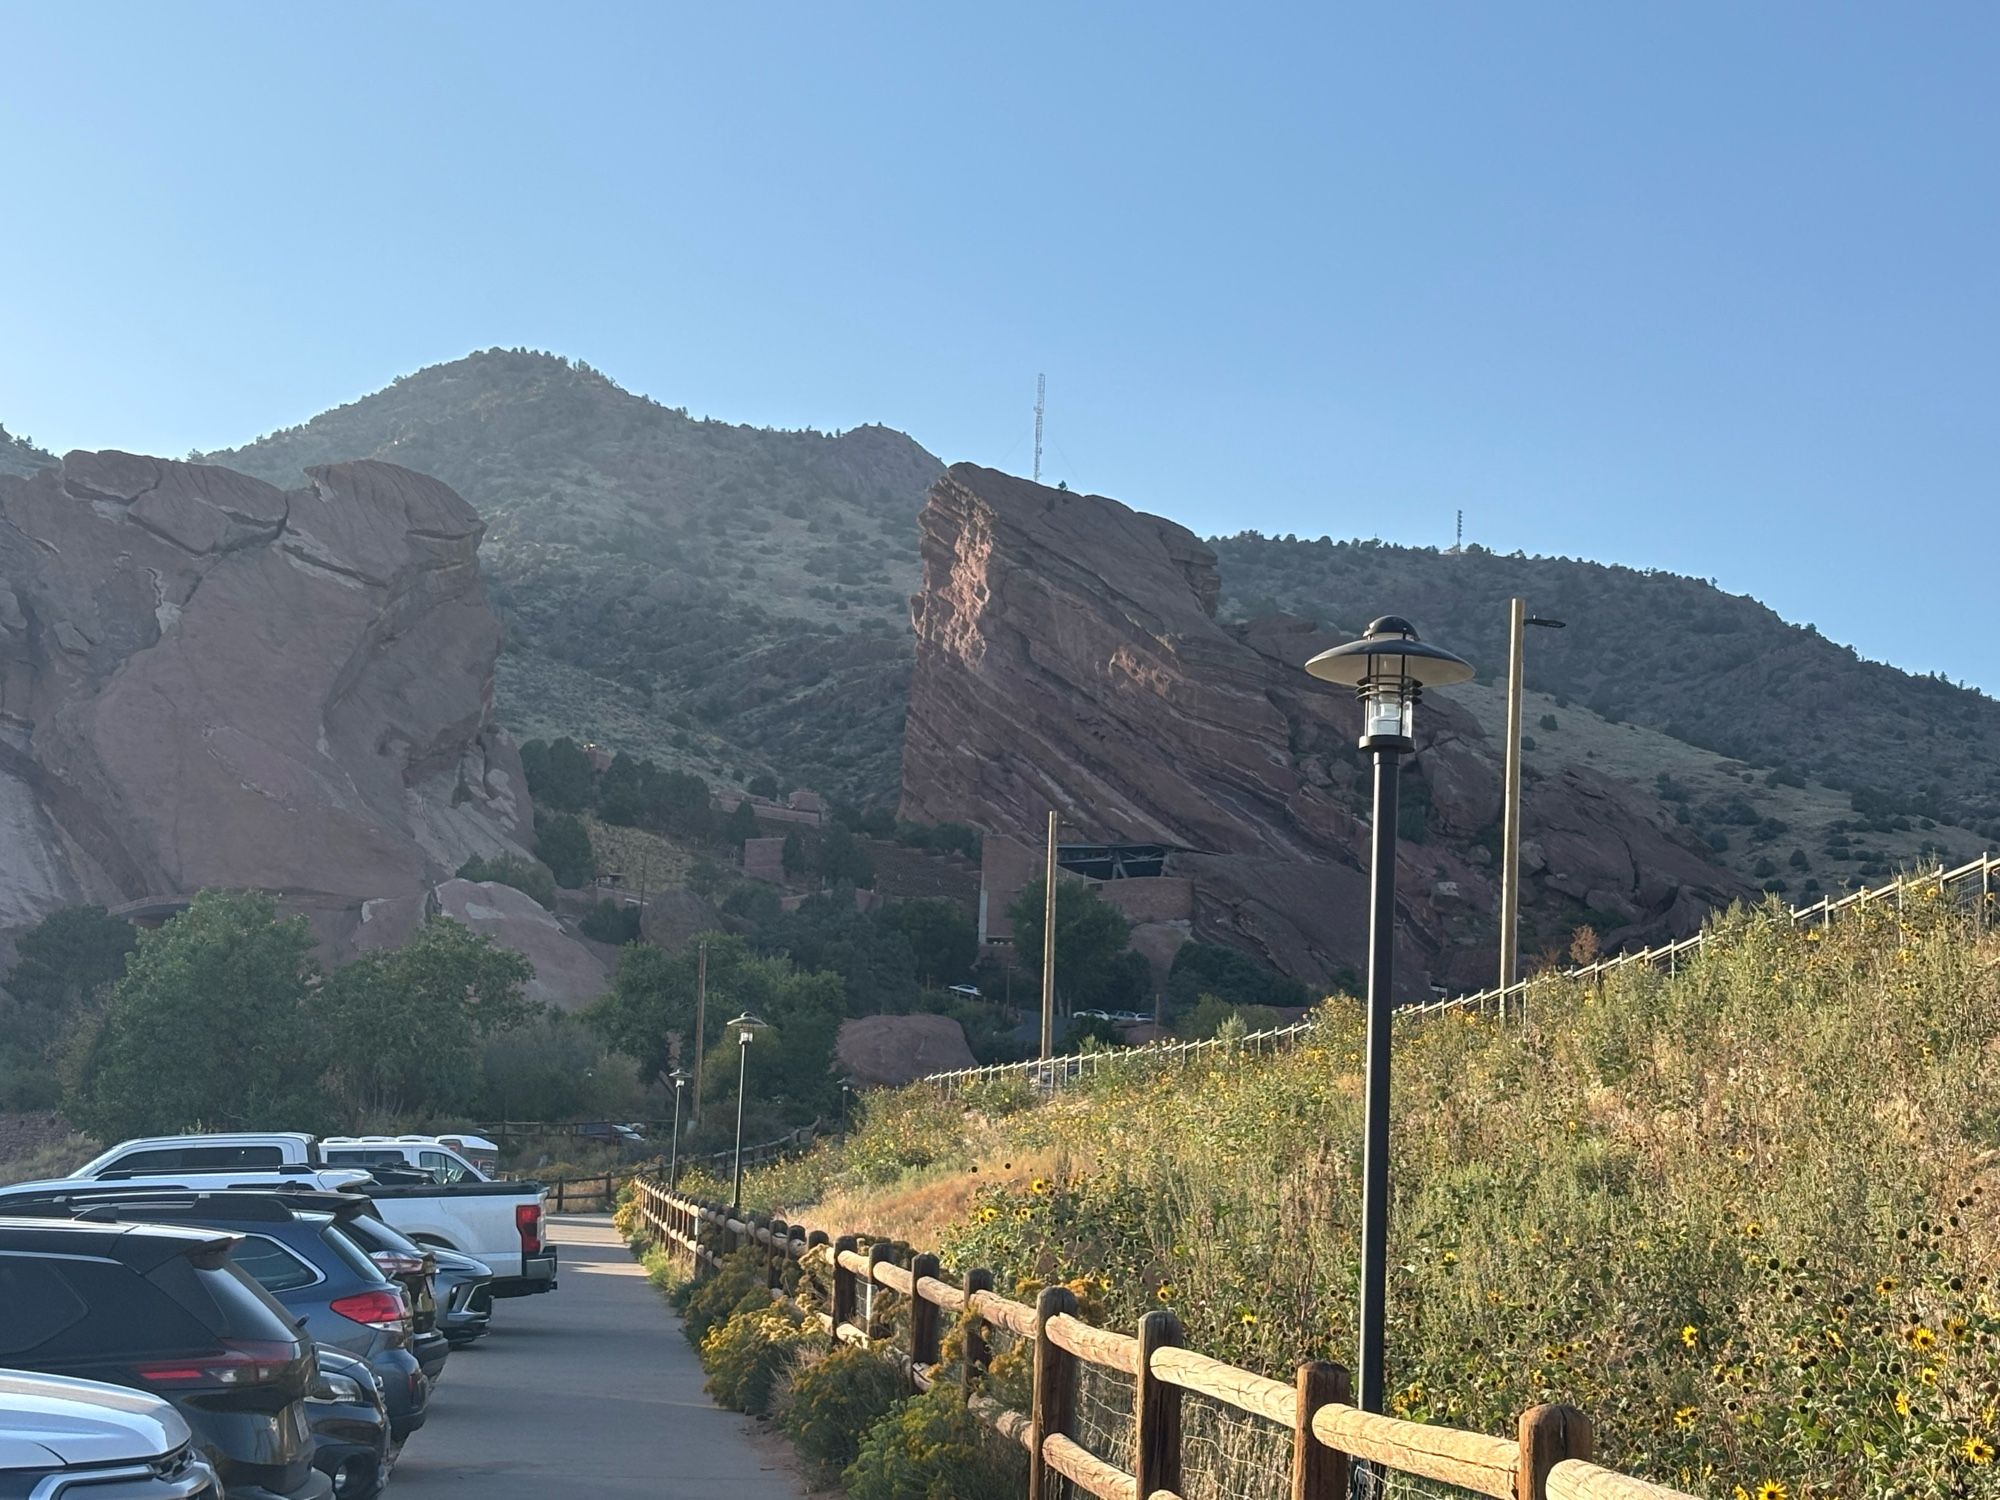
1388 668
1510 832
679 1079
745 1026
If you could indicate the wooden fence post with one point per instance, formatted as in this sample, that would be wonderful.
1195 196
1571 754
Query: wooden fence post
1549 1434
1156 1410
976 1351
924 1342
1318 1472
843 1284
1052 1407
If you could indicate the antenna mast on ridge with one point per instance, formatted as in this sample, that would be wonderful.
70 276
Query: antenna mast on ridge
1458 543
1041 395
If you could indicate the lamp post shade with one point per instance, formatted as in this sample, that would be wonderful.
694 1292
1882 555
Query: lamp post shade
1389 668
746 1026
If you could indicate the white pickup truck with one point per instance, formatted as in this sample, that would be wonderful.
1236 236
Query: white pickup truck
497 1222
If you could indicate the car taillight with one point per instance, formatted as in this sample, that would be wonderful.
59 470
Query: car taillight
395 1263
248 1362
383 1309
528 1219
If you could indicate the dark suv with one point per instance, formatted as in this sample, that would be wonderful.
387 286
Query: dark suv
297 1251
165 1310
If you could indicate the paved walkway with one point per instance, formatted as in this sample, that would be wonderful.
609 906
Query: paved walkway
590 1391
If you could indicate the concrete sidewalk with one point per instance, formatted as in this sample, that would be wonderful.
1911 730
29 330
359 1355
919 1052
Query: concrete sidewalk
590 1391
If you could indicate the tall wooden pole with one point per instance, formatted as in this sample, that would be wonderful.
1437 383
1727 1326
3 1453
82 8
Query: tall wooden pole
1510 830
1049 945
700 1024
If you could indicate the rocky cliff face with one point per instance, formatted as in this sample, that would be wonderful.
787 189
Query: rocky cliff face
1068 657
209 681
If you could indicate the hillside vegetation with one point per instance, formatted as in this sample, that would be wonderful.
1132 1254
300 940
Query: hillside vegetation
1676 654
730 598
19 455
1745 1218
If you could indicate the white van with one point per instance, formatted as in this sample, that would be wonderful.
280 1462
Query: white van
427 1153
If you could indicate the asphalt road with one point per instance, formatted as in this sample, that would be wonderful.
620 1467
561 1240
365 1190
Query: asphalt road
591 1392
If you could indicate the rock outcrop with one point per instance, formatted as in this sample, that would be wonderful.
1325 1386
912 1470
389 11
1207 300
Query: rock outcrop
890 1051
209 681
1068 657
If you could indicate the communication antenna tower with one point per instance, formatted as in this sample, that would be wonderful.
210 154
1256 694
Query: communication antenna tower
1458 544
1041 396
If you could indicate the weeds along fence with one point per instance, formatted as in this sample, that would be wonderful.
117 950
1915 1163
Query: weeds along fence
1973 883
1129 1416
600 1189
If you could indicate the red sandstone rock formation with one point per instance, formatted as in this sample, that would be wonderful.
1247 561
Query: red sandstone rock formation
208 681
1067 656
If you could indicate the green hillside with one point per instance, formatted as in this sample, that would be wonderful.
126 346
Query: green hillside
1675 654
1746 1218
732 598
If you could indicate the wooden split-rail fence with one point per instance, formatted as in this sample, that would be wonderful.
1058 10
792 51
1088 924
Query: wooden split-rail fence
1976 882
1548 1458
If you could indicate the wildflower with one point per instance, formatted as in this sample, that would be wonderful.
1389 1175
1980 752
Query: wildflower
1977 1450
1690 1335
1928 1374
1902 1403
1885 1286
1773 1489
1247 1318
1921 1337
1752 1230
1684 1419
1039 1185
1166 1292
1451 1257
1955 1328
1833 1338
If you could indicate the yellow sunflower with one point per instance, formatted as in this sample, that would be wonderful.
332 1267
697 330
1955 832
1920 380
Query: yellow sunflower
1773 1489
1977 1450
1690 1335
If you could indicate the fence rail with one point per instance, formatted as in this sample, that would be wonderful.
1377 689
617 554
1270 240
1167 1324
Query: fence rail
1977 878
1547 1459
601 1187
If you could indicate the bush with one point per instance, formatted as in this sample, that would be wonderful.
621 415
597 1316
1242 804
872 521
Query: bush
611 922
744 1356
737 1283
524 875
833 1400
932 1448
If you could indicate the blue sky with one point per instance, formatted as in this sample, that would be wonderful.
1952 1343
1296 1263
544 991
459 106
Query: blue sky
1712 287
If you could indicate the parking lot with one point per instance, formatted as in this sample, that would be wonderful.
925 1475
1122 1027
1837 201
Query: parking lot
589 1392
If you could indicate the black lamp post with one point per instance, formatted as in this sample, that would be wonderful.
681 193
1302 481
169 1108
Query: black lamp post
745 1026
679 1079
1388 668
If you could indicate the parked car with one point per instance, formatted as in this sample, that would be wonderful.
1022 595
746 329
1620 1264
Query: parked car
426 1153
164 1310
612 1135
402 1260
464 1289
321 1277
498 1222
350 1426
231 1156
74 1438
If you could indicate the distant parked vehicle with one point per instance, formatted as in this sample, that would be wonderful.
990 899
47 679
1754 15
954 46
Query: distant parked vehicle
350 1426
296 1254
969 991
165 1310
426 1153
499 1222
612 1135
69 1439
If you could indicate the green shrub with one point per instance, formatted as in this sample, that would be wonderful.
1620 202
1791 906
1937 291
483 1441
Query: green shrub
715 1297
932 1448
833 1400
525 875
745 1355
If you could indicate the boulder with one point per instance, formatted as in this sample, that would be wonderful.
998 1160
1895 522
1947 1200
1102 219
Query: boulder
567 973
209 681
889 1051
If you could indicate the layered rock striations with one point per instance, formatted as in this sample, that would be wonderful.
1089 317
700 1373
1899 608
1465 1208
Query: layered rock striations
1067 656
209 681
